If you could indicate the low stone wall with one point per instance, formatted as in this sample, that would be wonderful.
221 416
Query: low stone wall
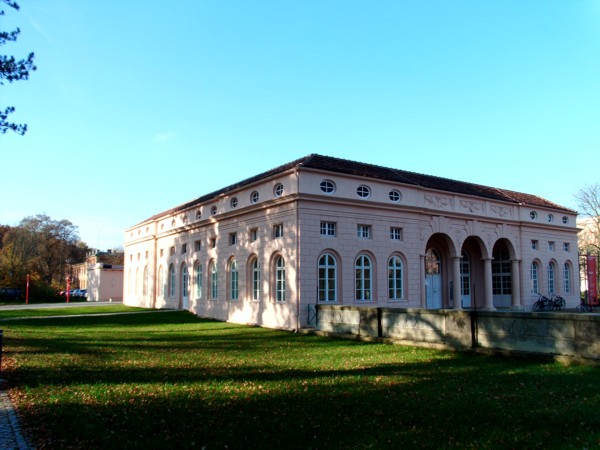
564 334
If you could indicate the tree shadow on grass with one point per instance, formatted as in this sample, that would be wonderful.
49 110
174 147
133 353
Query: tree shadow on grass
240 387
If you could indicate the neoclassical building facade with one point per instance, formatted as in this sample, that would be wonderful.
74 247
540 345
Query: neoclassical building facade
328 230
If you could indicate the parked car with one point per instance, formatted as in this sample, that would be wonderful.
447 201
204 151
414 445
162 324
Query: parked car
10 293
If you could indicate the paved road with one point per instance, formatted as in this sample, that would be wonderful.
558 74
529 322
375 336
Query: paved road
55 305
11 437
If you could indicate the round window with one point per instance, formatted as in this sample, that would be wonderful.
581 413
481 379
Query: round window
327 186
533 215
363 191
213 210
233 202
395 195
565 220
278 190
254 197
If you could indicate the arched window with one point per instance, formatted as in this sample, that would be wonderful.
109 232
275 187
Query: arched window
198 279
395 278
255 267
327 278
567 279
145 282
185 281
171 281
551 275
535 280
233 280
280 279
501 270
363 278
214 291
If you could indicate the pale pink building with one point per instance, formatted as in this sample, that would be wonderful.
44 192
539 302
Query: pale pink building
326 230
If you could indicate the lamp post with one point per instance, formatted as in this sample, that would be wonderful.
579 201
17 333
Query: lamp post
68 293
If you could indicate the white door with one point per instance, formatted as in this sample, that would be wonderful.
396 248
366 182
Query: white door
433 286
433 279
465 281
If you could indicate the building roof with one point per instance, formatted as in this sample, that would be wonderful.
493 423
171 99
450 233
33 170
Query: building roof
343 166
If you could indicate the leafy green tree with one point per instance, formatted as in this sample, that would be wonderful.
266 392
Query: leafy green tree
12 69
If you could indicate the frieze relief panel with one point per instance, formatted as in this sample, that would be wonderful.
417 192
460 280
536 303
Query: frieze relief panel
439 202
472 206
501 211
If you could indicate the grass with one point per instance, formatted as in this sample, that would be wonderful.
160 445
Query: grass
172 380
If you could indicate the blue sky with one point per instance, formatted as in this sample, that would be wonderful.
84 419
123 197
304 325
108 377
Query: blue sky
138 106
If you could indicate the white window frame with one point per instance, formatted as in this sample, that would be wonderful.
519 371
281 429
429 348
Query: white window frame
535 278
214 280
395 278
396 233
279 279
234 287
278 231
363 231
255 267
551 278
198 279
327 278
328 229
363 279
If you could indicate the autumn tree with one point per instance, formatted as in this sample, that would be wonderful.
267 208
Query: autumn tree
41 247
12 69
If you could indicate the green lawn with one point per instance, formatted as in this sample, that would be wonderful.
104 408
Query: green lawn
172 380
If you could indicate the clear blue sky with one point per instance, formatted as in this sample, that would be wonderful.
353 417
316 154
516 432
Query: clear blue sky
138 106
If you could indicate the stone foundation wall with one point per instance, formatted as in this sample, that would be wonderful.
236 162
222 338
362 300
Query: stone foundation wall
564 334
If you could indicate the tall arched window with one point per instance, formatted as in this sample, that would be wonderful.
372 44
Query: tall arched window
198 280
233 280
395 272
280 279
327 278
535 280
171 281
551 276
501 270
255 279
363 278
214 291
185 281
567 279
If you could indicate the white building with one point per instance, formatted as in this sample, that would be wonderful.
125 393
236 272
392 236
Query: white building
323 229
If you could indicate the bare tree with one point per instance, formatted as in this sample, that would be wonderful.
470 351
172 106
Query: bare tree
12 69
588 200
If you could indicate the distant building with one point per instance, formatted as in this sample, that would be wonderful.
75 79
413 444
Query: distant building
101 275
319 229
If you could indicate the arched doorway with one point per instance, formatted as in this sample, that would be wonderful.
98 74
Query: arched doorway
433 279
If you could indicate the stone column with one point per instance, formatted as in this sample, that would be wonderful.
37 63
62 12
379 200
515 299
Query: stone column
516 286
487 285
422 277
456 288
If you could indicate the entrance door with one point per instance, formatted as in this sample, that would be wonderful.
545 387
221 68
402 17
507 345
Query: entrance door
185 287
465 281
433 279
